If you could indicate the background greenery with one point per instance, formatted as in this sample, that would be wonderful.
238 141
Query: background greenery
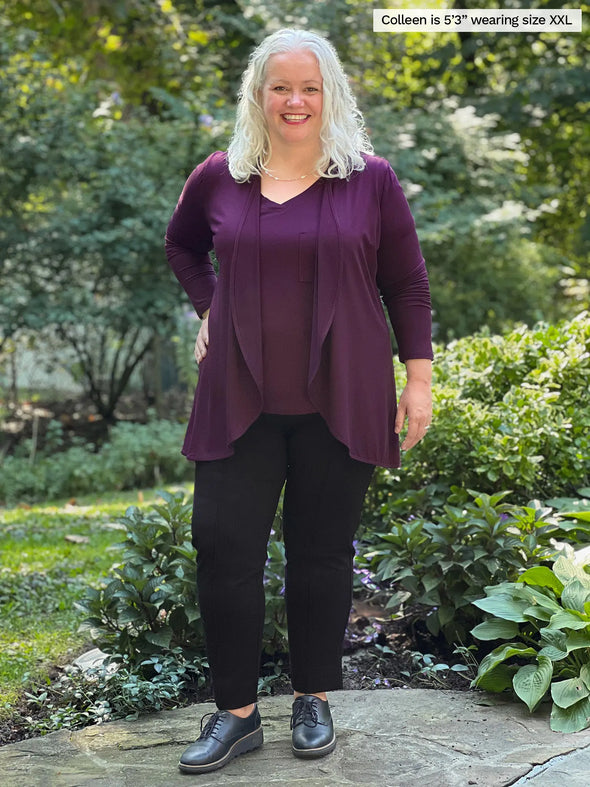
106 108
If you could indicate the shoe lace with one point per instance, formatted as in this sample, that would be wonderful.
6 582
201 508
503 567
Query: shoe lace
212 724
305 712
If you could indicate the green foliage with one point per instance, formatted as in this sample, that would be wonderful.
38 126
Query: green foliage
151 52
441 562
37 592
136 455
86 195
460 175
425 666
149 607
510 412
275 617
546 617
115 689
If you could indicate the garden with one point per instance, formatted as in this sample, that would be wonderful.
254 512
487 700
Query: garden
472 565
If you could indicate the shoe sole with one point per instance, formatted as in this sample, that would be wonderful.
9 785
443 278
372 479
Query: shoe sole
251 741
321 751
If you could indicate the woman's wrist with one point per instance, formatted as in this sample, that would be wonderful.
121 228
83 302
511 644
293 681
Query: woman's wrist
419 370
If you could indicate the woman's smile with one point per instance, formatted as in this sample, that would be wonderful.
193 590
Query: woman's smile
296 118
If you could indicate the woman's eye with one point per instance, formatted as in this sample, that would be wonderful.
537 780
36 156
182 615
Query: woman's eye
280 88
312 90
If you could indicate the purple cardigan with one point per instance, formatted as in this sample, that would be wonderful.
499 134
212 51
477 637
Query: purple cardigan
367 248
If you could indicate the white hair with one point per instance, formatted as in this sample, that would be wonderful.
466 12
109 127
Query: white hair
342 134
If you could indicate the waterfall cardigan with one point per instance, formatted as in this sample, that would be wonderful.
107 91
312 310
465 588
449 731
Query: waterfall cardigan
367 249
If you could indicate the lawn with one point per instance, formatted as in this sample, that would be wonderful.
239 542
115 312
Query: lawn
50 553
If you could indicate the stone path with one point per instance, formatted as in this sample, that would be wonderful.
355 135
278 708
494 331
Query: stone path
396 738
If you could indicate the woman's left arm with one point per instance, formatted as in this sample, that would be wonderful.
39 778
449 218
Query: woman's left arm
403 283
415 403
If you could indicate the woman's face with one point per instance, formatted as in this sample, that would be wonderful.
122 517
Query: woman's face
292 98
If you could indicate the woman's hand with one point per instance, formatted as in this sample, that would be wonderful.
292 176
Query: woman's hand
202 342
415 403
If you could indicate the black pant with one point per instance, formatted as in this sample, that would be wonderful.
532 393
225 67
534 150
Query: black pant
235 504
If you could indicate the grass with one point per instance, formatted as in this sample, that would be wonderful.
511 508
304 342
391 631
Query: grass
50 553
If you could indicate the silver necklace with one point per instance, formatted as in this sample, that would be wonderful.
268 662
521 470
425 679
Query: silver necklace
286 180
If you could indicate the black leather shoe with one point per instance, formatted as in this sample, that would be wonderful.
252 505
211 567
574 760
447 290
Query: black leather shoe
225 736
313 729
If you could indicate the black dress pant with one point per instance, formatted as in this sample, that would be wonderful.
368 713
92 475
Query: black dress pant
234 508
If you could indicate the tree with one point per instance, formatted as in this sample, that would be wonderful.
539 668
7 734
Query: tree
86 198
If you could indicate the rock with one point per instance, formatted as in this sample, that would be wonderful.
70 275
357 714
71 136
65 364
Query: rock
92 659
395 738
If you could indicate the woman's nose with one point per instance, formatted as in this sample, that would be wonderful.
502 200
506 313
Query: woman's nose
296 98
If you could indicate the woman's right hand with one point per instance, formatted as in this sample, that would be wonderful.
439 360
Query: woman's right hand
202 342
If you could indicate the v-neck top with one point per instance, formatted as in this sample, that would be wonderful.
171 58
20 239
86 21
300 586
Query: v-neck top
288 262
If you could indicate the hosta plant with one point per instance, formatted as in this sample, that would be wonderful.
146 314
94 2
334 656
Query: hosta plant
545 618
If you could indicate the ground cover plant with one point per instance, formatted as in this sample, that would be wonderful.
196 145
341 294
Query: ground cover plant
135 599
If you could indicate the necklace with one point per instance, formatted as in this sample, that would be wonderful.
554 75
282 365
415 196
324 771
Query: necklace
286 180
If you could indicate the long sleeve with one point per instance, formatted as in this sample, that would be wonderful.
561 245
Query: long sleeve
189 240
401 274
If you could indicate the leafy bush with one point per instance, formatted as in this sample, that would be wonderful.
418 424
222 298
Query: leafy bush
510 412
546 617
442 562
137 455
144 454
150 608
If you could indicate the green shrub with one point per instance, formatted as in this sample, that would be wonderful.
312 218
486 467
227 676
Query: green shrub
546 617
149 607
144 454
510 412
136 455
441 562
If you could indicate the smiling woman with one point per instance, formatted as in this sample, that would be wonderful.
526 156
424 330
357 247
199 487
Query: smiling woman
295 379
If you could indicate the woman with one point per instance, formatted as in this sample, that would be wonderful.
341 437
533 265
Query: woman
295 379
